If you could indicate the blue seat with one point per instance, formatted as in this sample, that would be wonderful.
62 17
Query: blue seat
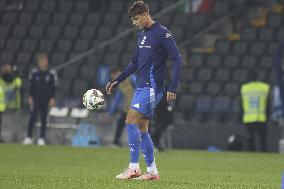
204 104
222 104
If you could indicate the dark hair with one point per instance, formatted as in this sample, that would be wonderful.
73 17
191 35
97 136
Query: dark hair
138 7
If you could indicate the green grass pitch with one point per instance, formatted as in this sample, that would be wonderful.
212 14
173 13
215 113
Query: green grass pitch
66 167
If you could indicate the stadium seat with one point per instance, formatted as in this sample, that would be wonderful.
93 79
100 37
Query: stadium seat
280 34
220 8
196 60
231 61
53 31
32 5
105 32
186 102
42 18
248 61
118 47
110 18
36 31
274 20
46 45
70 72
29 45
165 20
57 58
240 48
63 45
213 60
180 20
76 19
65 6
81 45
239 75
222 104
20 31
249 34
187 74
93 19
79 88
48 6
116 7
82 6
6 57
231 89
257 48
64 85
272 48
23 58
87 72
13 44
25 18
4 31
266 34
87 32
223 47
204 74
213 88
59 18
266 62
203 104
111 59
195 87
9 18
222 75
70 32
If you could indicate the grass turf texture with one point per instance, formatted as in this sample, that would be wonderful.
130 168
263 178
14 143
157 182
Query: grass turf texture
66 167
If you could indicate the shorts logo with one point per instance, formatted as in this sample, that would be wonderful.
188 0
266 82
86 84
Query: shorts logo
136 105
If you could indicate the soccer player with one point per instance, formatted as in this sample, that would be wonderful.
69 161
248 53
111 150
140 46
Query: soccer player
154 44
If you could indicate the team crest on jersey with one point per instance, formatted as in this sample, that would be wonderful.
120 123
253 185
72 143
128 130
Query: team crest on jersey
168 35
143 40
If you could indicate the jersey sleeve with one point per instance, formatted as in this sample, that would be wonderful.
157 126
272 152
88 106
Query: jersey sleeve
170 46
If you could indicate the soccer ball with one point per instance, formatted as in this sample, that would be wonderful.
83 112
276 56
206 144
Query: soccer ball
93 99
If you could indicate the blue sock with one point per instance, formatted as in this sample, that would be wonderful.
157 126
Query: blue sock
147 148
134 141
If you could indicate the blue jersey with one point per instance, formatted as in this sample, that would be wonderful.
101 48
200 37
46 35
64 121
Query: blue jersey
154 44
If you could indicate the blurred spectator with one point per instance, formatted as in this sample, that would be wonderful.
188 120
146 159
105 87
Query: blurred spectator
41 96
10 92
162 119
122 99
255 107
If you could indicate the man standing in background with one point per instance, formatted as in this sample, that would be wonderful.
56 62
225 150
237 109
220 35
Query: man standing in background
43 83
255 107
10 91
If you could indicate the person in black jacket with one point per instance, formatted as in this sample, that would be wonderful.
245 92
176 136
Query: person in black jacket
41 95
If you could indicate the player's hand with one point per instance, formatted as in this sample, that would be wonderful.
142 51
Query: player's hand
109 86
171 96
31 102
51 102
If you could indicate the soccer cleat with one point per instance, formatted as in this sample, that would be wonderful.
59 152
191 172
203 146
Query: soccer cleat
129 174
41 142
28 141
148 176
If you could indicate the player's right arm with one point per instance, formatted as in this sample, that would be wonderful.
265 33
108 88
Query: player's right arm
130 69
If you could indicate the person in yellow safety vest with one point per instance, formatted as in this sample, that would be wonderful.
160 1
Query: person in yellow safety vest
256 110
10 95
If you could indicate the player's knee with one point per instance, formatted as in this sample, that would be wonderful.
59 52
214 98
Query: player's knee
131 120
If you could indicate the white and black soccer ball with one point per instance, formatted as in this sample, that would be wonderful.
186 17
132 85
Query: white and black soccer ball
93 99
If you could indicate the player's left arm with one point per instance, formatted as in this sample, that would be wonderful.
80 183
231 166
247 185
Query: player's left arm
170 46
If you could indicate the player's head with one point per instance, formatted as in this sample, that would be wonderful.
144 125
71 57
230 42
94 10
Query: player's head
115 72
42 61
139 14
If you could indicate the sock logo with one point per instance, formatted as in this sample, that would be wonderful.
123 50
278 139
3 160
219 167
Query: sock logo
131 150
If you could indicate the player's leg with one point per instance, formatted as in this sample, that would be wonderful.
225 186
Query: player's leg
32 120
147 148
119 128
250 137
43 107
134 141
